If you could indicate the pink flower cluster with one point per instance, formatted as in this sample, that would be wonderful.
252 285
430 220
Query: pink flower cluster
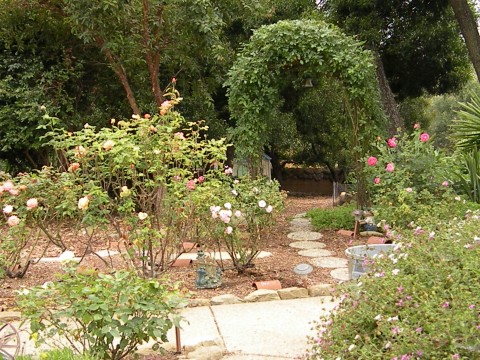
9 187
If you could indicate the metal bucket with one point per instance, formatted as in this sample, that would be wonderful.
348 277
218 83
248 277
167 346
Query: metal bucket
357 266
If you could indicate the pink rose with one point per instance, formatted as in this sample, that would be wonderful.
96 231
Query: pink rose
424 137
409 190
14 192
179 135
191 184
73 167
228 230
372 160
201 179
13 220
445 183
390 167
32 203
8 185
416 126
392 142
228 170
376 180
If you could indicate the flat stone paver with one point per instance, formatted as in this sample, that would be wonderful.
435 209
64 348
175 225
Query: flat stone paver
300 221
301 215
296 228
340 274
305 235
329 262
307 245
315 252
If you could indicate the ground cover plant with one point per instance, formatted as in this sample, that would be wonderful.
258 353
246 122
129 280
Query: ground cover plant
419 302
336 218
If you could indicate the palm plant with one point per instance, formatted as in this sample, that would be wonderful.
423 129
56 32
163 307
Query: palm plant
466 128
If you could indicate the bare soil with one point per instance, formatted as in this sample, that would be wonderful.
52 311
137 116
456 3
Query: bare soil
279 266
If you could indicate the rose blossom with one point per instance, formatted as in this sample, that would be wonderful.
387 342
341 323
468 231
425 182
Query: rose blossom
445 183
73 167
191 185
372 160
80 151
14 192
409 190
269 209
142 215
228 170
13 221
228 230
262 203
376 180
32 203
201 179
108 145
179 135
424 137
416 126
390 167
8 185
392 142
8 209
238 213
83 203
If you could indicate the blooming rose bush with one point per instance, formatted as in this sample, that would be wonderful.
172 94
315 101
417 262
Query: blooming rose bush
419 302
405 176
241 214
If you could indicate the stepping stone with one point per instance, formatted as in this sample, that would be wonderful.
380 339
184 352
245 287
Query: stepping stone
329 262
305 235
340 274
315 252
307 245
300 222
296 228
301 215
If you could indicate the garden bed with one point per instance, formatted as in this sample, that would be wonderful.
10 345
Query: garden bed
279 266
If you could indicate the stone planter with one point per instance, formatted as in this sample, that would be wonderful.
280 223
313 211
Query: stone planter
357 266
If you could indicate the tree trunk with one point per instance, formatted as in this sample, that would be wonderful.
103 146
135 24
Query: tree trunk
468 27
152 53
388 99
121 73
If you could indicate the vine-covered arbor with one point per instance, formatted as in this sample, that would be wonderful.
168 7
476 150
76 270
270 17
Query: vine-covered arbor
312 48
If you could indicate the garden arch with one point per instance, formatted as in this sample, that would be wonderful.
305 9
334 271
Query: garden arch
318 49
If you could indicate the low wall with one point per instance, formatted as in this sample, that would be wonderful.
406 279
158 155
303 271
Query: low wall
307 181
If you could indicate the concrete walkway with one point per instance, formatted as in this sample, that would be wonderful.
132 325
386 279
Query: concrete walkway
250 331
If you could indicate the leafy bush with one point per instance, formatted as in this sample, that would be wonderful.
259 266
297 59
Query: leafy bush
108 315
238 215
405 177
336 218
57 354
421 301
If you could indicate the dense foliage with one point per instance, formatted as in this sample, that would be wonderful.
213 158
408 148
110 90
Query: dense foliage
336 218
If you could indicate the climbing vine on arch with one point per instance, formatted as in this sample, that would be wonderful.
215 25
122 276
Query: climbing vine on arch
310 48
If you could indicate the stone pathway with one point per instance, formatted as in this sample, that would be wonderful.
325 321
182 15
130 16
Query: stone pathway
306 240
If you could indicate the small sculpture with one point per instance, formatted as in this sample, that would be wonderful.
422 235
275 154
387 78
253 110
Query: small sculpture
209 275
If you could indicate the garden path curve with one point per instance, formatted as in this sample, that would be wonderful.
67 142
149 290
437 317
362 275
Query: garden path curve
306 241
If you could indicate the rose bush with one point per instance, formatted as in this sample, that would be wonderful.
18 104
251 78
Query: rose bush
406 162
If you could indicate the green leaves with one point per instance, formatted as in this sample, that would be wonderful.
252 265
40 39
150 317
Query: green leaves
256 79
119 306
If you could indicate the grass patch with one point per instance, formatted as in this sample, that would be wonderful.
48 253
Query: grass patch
336 218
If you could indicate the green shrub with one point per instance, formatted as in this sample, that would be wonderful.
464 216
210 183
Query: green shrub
419 302
107 315
57 354
336 218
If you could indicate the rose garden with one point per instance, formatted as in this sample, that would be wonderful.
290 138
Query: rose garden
137 193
